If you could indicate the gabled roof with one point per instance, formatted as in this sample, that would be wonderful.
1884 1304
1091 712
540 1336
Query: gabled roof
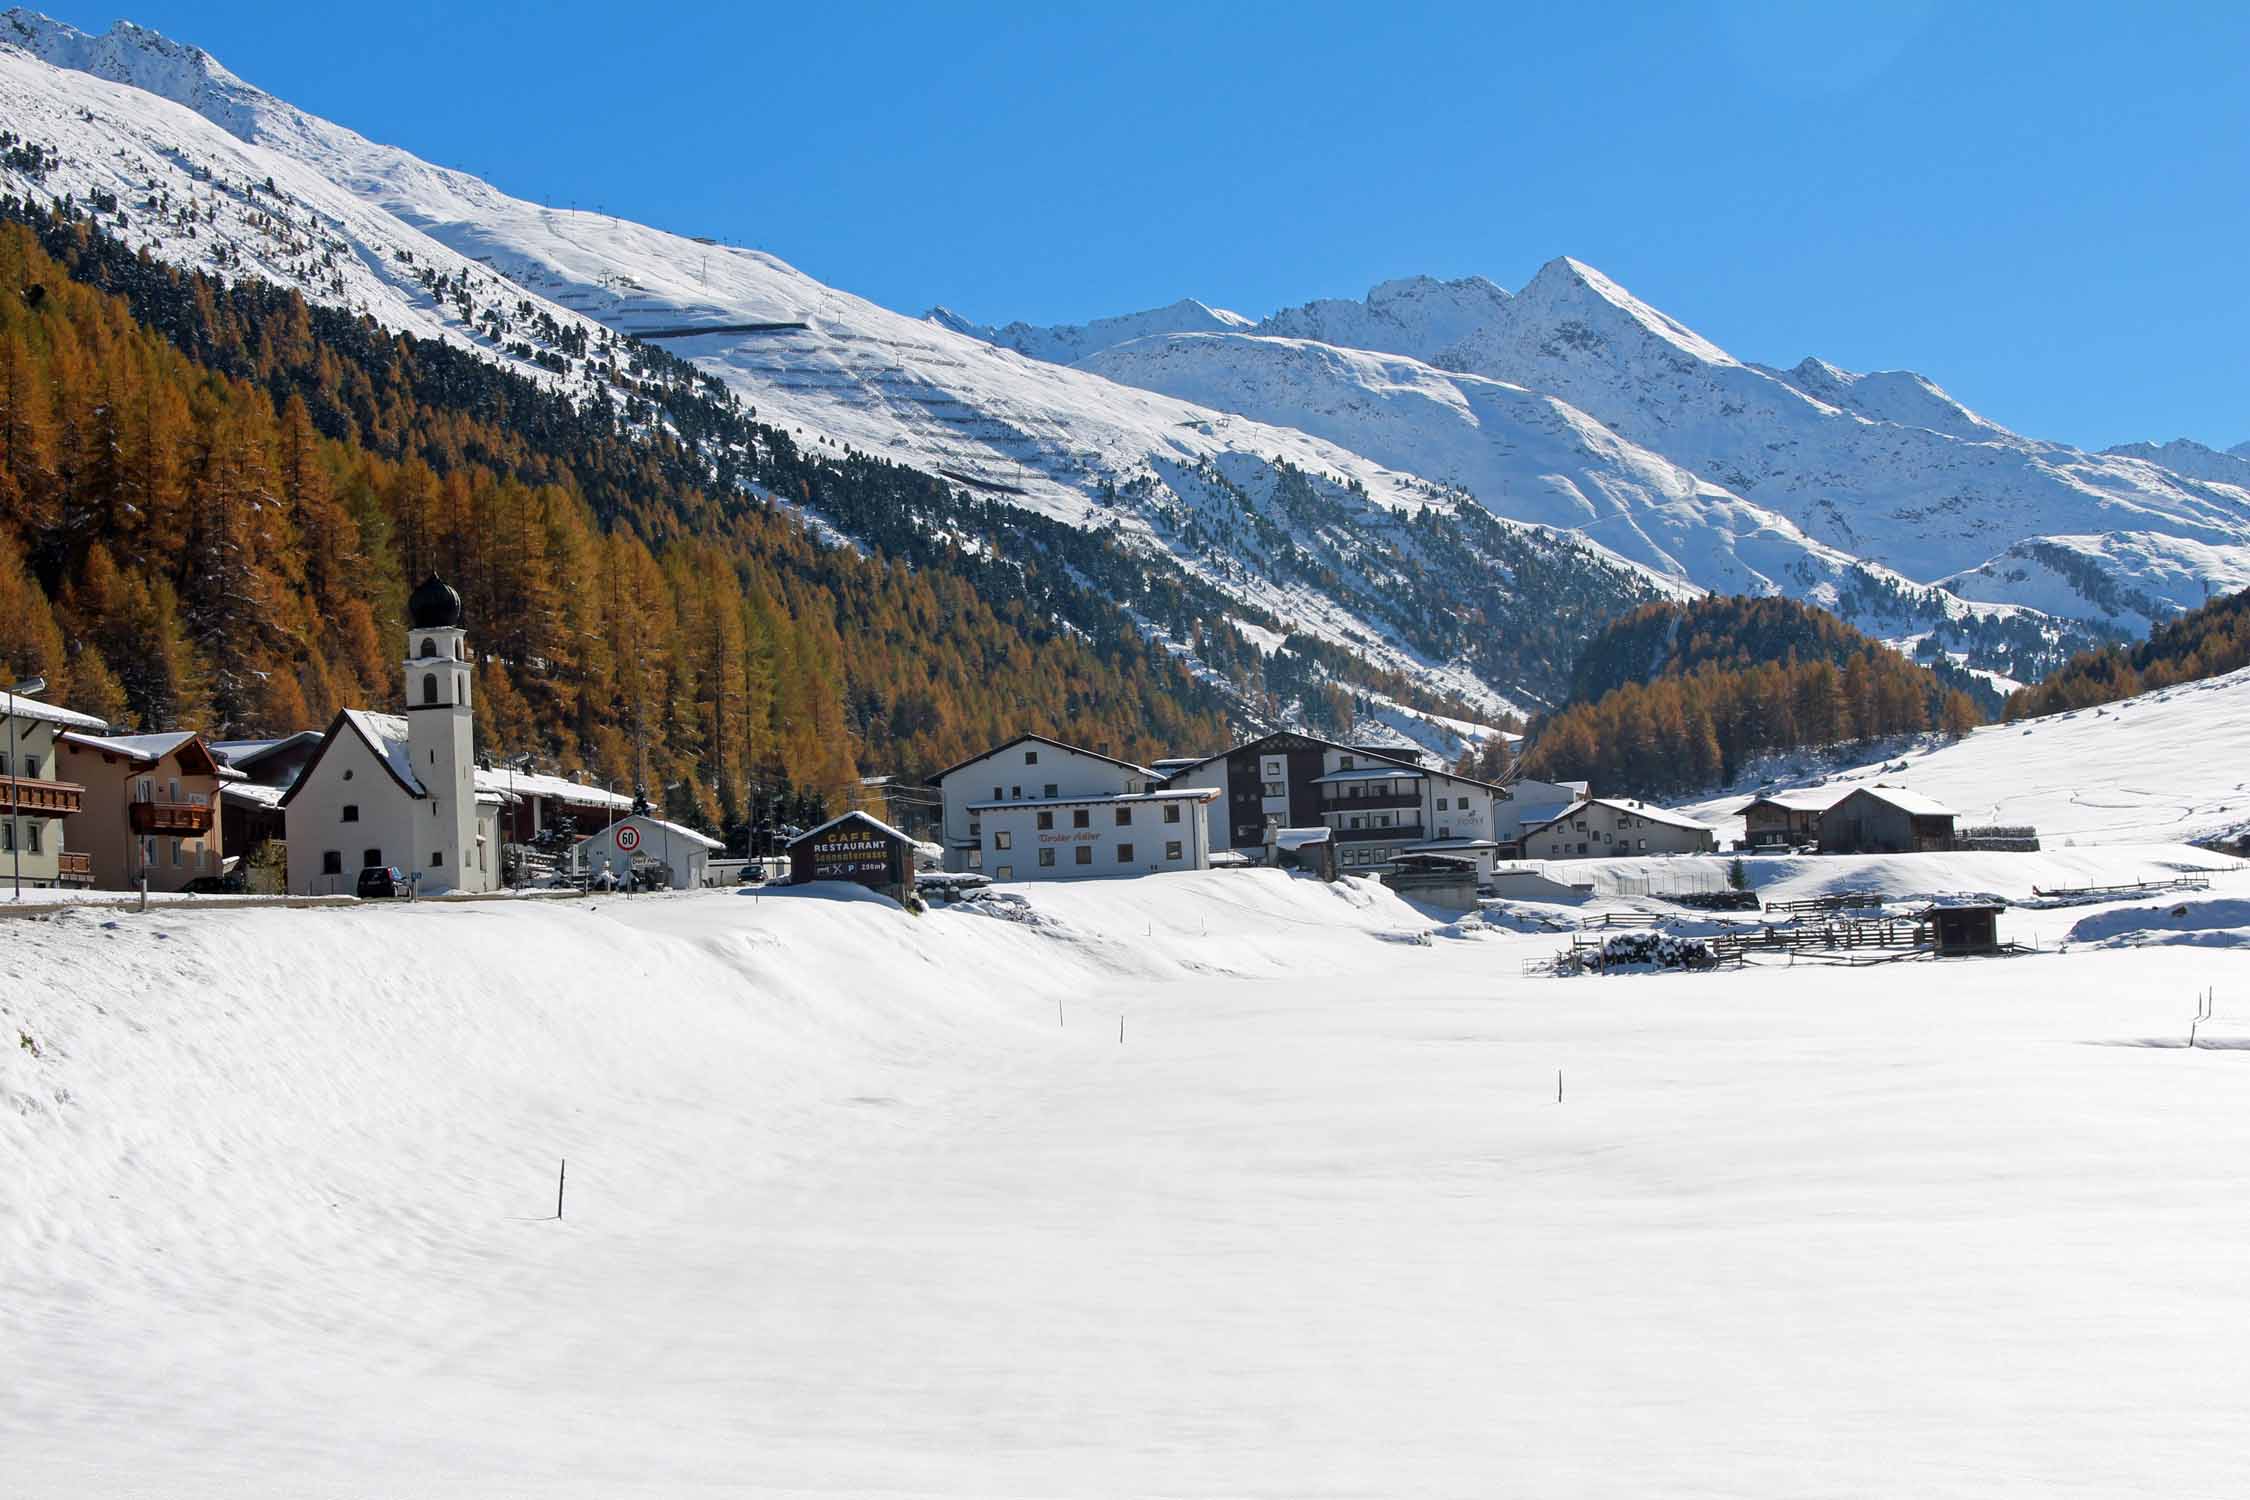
385 737
521 784
1798 799
148 749
1258 745
870 819
677 830
1913 804
240 753
1624 805
1040 739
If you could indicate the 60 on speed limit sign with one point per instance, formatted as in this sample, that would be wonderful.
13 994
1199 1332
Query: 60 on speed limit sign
628 837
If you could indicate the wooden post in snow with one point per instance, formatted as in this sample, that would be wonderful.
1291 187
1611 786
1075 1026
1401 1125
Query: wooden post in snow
561 1174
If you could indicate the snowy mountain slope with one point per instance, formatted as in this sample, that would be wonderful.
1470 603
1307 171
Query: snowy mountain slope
2133 577
1068 343
1883 467
1898 396
1594 411
1522 454
162 178
1165 475
1417 316
1923 500
2184 456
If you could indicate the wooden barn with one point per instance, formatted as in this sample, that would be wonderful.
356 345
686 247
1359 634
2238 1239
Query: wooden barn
1885 820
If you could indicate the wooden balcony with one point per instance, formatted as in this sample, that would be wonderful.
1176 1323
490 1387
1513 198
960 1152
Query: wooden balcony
185 817
33 797
74 869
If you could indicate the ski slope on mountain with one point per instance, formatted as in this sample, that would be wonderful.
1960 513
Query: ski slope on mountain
860 1203
2167 766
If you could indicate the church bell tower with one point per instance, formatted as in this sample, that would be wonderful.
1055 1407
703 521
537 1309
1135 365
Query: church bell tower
440 726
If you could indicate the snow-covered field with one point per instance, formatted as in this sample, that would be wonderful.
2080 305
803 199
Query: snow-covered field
850 1213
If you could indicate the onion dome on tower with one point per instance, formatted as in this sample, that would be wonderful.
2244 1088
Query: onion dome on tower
434 605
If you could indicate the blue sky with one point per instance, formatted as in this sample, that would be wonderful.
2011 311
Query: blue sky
2042 208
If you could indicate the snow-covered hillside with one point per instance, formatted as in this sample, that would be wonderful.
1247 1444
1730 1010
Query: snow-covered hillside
1883 468
1068 343
2172 765
1273 461
132 113
1524 454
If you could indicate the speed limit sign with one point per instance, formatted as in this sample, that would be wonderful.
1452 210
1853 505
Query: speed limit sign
628 837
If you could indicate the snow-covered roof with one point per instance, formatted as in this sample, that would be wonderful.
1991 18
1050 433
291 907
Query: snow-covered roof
521 784
1392 773
865 817
1038 739
659 825
134 746
148 748
1228 858
1914 804
1301 838
1641 809
1624 805
386 735
1544 812
1799 799
31 708
1447 846
1174 794
251 791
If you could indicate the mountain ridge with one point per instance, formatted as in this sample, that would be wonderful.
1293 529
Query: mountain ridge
1853 490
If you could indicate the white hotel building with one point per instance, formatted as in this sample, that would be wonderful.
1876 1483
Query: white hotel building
1038 809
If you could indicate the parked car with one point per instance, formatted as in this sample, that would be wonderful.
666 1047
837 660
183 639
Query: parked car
217 885
382 883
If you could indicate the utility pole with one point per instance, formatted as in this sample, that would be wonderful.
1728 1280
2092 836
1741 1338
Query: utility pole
15 782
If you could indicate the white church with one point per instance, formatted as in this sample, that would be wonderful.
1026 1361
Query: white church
400 789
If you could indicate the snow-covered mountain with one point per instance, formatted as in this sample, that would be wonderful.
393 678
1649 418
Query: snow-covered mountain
2185 456
174 154
1296 464
1068 343
1778 478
